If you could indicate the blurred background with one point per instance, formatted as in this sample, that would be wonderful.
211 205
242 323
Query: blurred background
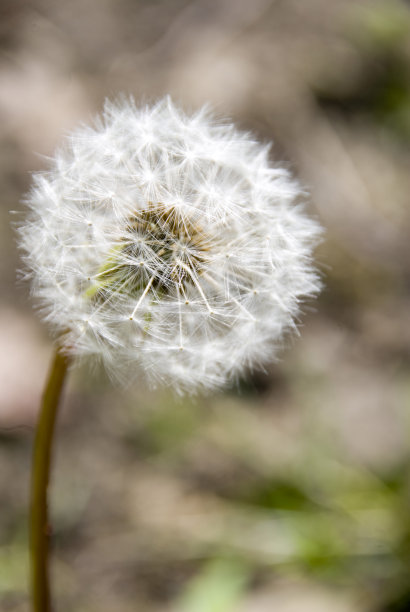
290 491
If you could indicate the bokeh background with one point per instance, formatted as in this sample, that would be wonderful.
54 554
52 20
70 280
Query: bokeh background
289 492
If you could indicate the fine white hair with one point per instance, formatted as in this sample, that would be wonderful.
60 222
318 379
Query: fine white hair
168 244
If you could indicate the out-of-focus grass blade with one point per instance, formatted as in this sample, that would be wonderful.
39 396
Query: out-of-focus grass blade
13 569
218 588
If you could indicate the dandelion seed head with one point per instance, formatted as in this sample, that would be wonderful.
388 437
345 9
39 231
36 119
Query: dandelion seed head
167 244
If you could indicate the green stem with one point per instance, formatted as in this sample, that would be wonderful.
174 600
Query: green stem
39 524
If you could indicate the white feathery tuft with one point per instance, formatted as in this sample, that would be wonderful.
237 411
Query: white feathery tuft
167 244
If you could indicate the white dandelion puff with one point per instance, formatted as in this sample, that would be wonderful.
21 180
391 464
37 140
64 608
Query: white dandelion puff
167 244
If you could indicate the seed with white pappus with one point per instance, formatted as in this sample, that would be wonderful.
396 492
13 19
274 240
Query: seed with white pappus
167 244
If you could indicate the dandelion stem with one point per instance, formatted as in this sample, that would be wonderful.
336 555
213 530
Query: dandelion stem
39 524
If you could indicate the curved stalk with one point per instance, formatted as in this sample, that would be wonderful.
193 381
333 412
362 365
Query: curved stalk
40 475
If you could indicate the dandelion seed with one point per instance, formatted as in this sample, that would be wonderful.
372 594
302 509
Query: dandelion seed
179 224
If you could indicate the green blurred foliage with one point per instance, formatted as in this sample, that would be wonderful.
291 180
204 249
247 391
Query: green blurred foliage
381 33
218 587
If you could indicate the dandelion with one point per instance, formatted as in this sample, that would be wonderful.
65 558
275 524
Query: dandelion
161 244
166 244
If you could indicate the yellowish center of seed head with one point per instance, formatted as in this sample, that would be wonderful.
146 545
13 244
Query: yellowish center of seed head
161 246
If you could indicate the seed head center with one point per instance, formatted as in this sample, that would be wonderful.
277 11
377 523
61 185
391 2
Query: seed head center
161 246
